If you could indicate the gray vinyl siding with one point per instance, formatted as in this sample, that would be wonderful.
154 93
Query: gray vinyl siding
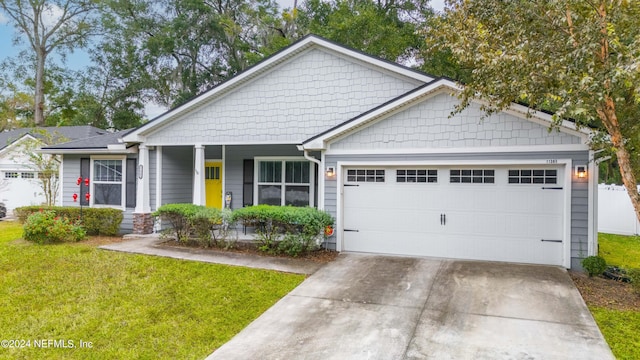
579 188
314 91
213 152
430 124
70 173
177 174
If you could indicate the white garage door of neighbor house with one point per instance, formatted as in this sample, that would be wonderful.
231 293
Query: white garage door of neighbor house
496 213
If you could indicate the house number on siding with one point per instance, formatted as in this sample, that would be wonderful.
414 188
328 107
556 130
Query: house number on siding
552 161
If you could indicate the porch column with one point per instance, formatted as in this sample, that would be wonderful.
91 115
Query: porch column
142 219
198 176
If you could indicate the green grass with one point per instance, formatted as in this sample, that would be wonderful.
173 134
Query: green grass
128 306
620 329
620 250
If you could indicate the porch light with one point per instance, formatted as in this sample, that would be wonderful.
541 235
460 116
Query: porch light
581 171
331 172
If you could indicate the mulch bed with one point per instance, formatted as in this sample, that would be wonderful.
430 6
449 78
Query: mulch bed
321 256
606 293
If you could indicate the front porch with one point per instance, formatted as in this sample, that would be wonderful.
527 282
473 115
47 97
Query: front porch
224 176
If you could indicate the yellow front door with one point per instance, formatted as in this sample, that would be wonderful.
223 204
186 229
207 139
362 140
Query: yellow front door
213 183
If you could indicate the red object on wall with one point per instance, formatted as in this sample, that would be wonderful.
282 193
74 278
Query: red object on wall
328 231
79 181
87 196
75 197
86 182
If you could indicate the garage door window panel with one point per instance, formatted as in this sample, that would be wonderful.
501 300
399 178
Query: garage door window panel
417 176
533 176
284 182
366 175
472 176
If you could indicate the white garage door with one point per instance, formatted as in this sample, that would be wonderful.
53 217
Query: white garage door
498 213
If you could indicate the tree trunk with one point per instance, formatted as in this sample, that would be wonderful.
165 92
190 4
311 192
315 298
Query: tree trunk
38 115
610 120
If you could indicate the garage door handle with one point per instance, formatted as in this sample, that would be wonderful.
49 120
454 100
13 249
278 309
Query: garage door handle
443 219
552 188
547 240
352 230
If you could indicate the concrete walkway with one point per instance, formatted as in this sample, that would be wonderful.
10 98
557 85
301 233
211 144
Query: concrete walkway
152 245
377 307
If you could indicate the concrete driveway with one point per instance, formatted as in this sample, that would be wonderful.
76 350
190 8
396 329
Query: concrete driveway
381 307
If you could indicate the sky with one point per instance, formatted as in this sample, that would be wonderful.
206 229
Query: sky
79 59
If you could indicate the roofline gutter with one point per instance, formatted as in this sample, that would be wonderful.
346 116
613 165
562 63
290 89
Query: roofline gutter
131 150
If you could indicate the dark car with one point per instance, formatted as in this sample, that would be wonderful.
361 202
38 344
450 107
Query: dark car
3 210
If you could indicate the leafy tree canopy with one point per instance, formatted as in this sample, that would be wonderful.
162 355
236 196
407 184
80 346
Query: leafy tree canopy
580 58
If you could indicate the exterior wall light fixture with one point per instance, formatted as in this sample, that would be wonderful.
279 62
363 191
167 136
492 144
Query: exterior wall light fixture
581 171
331 172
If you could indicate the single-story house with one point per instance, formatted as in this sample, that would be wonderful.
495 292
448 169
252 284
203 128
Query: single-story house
19 184
371 142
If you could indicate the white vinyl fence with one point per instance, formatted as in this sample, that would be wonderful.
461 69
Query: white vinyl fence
615 212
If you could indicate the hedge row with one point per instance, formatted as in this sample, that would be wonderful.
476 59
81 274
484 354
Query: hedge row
279 229
285 219
95 221
286 229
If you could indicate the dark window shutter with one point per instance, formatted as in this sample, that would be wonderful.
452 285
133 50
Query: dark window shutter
247 183
85 171
131 183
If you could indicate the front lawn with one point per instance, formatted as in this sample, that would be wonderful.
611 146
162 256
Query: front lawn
127 306
620 250
614 305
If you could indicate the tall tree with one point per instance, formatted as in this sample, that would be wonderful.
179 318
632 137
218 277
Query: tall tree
172 50
385 28
53 25
580 58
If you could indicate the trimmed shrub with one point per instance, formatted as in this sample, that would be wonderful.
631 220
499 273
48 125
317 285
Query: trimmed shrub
47 227
594 265
286 229
634 275
190 221
95 221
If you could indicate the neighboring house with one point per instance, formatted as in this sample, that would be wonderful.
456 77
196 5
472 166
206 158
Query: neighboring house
369 141
19 184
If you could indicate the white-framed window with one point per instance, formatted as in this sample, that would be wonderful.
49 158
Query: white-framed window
11 175
284 181
107 181
28 175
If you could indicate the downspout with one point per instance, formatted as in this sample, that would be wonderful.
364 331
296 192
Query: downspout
320 178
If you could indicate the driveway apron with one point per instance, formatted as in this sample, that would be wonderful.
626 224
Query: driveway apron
383 307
